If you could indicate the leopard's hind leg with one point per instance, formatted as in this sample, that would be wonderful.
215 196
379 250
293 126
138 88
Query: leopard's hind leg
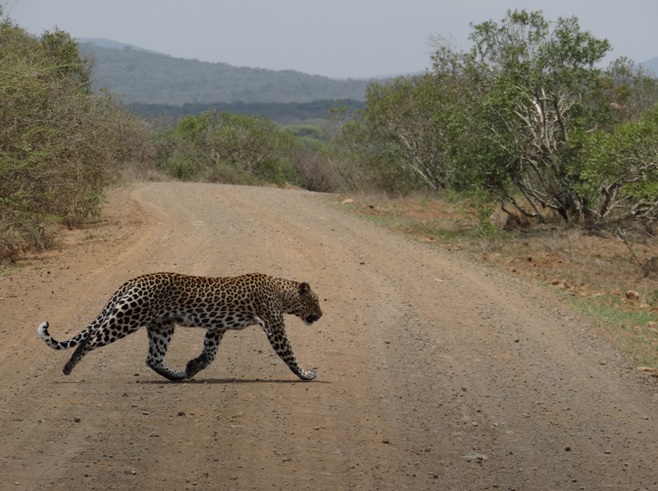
210 346
113 326
160 334
77 355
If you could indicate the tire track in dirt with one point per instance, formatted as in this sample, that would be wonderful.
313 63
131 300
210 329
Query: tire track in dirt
434 373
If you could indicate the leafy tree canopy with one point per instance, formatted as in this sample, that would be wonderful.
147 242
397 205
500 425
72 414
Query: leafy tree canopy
517 117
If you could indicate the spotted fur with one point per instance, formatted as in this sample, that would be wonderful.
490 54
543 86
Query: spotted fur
160 301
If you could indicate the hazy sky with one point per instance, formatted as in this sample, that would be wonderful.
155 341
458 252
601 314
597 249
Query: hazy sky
336 38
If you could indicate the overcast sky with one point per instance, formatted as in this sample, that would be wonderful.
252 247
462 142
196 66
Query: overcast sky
336 38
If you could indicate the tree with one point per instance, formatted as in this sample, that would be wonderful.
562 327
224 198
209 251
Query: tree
526 115
628 91
63 53
399 139
531 79
618 172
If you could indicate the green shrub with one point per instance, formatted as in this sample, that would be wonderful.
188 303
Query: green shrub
60 145
225 147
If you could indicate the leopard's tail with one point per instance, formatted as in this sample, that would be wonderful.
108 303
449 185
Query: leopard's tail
42 330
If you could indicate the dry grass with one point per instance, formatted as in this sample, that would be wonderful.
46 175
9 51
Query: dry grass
613 281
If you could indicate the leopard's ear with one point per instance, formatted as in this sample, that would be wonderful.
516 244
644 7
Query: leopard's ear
304 288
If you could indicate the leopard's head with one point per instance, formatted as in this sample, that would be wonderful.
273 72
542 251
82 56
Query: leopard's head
305 304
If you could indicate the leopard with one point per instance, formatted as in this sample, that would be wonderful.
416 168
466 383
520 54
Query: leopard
162 301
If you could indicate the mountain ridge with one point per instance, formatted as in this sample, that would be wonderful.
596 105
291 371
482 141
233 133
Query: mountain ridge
148 77
110 43
651 64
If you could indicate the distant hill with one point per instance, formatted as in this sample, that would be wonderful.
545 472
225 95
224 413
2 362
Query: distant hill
652 65
108 43
147 77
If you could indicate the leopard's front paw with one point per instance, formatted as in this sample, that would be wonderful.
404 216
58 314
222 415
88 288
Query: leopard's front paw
308 374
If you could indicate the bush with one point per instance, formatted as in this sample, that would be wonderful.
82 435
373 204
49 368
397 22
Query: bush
60 145
526 117
230 148
618 173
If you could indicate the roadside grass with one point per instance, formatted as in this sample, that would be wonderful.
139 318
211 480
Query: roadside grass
605 278
635 331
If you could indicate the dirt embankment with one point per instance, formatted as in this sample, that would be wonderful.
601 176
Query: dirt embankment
434 373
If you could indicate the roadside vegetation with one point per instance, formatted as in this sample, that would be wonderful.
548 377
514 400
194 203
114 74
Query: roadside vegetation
60 144
526 118
525 151
239 149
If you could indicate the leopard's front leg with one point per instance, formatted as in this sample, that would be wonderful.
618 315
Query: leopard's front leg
279 342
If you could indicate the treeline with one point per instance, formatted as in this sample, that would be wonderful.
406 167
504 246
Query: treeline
526 118
238 149
283 113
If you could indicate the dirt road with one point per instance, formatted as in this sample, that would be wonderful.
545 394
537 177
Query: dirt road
433 373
